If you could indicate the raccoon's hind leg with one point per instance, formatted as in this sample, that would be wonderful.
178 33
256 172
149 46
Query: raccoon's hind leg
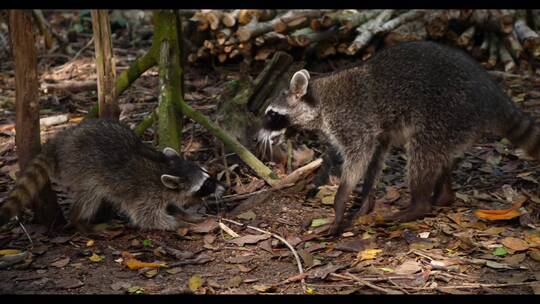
147 216
426 168
84 209
443 195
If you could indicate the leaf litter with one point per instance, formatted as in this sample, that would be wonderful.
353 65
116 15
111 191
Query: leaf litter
495 185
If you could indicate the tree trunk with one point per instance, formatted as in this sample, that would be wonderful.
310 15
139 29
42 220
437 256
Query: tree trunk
170 79
46 209
106 69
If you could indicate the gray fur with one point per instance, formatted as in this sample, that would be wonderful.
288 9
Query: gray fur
434 100
102 160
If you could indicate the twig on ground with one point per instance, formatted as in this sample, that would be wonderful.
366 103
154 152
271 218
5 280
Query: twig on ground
365 283
474 286
296 256
25 232
228 230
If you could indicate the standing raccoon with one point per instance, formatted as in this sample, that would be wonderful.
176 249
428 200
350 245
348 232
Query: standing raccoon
103 161
433 99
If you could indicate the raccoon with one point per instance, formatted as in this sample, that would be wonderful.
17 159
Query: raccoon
434 100
102 161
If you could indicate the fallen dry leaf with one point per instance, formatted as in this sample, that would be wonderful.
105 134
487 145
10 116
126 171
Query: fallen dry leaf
515 260
322 272
263 288
61 263
248 215
151 273
243 268
174 270
250 239
515 244
132 263
535 255
69 283
205 227
368 254
239 259
355 245
497 215
182 231
408 267
533 238
494 230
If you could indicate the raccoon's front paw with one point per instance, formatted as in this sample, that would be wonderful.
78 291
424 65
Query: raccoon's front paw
335 229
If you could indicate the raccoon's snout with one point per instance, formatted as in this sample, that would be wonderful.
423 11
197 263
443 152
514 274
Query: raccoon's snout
275 121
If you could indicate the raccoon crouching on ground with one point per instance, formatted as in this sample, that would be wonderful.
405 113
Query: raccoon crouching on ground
433 99
104 161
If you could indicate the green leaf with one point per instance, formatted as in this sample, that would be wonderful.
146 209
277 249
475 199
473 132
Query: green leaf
147 243
318 222
500 251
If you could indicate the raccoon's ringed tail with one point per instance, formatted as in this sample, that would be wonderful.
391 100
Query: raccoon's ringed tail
27 187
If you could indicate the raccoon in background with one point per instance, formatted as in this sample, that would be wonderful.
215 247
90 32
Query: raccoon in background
434 100
104 161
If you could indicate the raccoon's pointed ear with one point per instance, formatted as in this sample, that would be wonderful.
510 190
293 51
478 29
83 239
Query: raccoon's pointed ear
299 83
170 181
170 152
305 72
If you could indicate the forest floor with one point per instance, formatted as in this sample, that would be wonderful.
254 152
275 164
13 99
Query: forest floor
452 251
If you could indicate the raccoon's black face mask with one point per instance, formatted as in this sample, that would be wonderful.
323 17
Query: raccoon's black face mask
291 109
188 178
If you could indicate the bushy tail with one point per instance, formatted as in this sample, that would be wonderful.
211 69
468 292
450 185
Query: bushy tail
28 185
523 131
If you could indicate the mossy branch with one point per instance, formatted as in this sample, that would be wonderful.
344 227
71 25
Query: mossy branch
230 142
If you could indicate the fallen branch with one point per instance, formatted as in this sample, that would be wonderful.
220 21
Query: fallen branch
298 174
70 86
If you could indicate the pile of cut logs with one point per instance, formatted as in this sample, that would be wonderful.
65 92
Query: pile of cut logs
509 38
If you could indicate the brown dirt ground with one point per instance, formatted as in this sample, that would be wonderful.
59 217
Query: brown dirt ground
406 263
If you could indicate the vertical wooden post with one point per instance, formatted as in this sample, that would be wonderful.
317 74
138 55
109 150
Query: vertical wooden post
105 66
27 139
